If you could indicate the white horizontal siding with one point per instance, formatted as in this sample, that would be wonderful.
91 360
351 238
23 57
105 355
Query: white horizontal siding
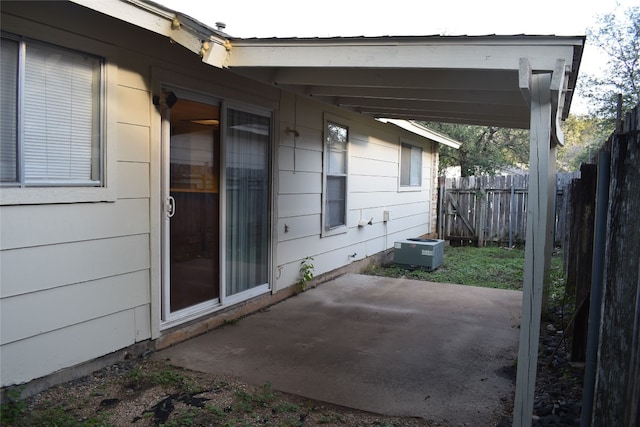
57 308
45 267
133 180
300 182
307 138
299 160
43 354
368 200
133 143
142 322
54 224
296 227
290 205
373 168
373 184
134 106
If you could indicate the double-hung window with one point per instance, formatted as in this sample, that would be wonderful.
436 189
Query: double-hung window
335 195
410 166
50 115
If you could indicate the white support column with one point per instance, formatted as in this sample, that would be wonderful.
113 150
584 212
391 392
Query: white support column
538 88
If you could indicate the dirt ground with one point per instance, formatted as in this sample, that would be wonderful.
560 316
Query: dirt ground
144 392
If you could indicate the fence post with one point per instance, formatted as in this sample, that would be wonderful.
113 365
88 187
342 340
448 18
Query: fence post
442 187
599 243
481 217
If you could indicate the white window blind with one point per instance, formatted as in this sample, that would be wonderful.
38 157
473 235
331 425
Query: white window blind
8 111
410 166
51 101
336 176
60 116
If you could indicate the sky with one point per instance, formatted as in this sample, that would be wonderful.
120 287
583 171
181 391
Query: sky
334 18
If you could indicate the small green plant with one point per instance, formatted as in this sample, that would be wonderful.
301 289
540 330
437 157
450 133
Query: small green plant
331 418
167 378
286 407
306 272
14 408
244 401
266 396
292 422
171 378
215 410
184 418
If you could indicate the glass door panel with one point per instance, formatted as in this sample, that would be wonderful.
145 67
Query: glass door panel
247 200
194 197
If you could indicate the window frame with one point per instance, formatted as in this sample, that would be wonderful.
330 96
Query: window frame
409 187
342 228
22 193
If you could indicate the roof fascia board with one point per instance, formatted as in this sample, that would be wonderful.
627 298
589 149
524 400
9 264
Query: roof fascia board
423 132
457 53
187 32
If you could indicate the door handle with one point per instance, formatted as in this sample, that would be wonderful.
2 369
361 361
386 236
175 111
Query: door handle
171 207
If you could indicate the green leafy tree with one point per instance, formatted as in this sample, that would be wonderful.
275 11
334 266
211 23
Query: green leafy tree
485 150
617 36
583 137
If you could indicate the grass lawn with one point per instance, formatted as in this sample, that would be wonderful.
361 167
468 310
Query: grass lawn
492 267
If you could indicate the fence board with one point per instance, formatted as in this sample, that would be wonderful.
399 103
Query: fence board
579 253
617 389
481 209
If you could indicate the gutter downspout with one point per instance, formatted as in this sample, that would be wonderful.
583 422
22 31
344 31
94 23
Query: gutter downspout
597 284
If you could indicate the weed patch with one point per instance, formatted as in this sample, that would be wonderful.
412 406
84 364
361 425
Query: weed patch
491 267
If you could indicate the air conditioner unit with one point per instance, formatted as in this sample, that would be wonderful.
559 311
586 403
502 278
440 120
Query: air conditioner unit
419 253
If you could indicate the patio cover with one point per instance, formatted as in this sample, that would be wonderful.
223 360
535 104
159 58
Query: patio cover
517 81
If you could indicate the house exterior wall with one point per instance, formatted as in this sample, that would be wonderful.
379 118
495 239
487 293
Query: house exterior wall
74 282
81 277
373 187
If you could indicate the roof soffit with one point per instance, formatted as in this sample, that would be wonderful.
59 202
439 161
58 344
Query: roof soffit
471 80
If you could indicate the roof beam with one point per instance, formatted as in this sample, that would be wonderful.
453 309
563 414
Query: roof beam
451 117
449 95
403 78
440 106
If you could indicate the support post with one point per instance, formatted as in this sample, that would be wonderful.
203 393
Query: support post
551 217
536 244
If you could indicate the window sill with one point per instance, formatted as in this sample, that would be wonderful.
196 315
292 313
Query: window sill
335 231
409 189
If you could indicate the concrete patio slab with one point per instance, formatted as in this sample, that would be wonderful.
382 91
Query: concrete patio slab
391 346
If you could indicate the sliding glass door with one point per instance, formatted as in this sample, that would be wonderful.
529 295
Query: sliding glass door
247 140
216 232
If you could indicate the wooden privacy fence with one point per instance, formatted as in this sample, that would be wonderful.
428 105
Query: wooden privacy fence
481 209
603 255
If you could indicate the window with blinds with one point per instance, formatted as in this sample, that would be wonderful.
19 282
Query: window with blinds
335 206
410 166
50 115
